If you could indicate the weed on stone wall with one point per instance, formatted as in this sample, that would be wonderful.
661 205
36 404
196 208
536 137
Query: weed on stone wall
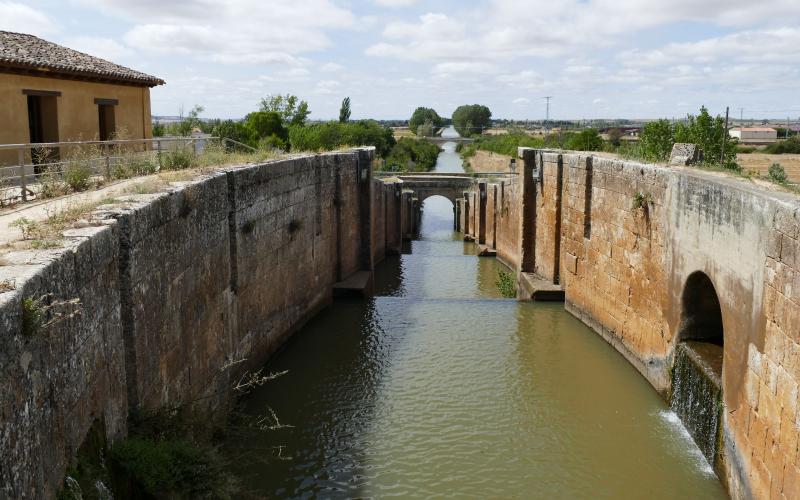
42 312
642 201
506 284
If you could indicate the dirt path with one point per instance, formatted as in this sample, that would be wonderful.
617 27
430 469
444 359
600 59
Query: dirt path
40 210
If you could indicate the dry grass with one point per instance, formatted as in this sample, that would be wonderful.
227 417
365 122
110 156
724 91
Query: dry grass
401 132
760 163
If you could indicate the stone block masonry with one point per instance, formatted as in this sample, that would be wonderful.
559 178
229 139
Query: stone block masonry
624 238
172 288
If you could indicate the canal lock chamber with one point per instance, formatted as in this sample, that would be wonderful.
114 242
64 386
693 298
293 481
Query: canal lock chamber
696 395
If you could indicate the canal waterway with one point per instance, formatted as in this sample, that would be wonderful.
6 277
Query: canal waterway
438 387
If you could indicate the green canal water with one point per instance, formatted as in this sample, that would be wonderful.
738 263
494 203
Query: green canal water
437 387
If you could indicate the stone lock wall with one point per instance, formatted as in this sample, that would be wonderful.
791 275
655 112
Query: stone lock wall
57 382
178 293
622 239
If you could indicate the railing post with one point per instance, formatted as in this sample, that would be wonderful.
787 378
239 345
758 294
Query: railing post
22 179
108 165
158 154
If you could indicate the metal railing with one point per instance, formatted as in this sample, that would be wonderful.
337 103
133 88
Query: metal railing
38 163
444 174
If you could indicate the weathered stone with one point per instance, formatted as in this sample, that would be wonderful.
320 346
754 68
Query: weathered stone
685 154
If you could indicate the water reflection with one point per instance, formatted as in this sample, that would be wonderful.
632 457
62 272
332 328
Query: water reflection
438 388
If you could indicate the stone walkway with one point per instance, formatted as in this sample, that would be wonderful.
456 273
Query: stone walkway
39 210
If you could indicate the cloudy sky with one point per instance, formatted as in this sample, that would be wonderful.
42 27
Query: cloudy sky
597 58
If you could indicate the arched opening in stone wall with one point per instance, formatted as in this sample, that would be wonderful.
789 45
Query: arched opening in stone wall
701 316
696 395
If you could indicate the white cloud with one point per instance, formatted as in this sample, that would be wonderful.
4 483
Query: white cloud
102 47
236 31
396 3
331 68
521 100
21 18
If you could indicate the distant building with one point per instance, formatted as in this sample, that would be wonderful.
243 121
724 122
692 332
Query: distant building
50 93
755 135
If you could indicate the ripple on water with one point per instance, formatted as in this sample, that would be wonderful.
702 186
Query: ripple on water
439 389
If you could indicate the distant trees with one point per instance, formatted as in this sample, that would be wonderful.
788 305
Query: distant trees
471 119
412 155
332 135
425 121
657 138
344 111
585 140
291 109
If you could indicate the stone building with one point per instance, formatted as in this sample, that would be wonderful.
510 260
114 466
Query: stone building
755 135
51 93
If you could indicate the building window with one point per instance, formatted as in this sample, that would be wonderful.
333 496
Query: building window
105 113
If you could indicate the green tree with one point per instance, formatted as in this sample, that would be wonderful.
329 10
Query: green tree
344 111
615 137
235 130
709 134
656 140
191 121
426 117
266 124
585 140
471 119
291 109
333 135
158 129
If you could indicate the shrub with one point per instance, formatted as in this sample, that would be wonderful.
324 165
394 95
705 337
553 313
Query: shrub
180 159
656 140
778 174
501 144
585 140
77 175
415 155
789 146
333 135
133 167
174 467
27 227
506 285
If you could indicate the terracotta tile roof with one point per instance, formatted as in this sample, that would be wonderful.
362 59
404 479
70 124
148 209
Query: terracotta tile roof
19 51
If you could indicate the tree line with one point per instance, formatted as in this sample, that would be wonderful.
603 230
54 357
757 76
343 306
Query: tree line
281 122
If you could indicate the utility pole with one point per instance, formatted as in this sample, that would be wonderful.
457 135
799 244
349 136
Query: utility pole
741 115
787 127
724 139
547 115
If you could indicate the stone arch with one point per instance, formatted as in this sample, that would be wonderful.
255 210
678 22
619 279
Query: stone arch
450 194
697 393
701 314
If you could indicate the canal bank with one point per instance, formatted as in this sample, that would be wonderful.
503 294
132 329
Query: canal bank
438 387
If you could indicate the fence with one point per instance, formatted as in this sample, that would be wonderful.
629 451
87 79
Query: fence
40 165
